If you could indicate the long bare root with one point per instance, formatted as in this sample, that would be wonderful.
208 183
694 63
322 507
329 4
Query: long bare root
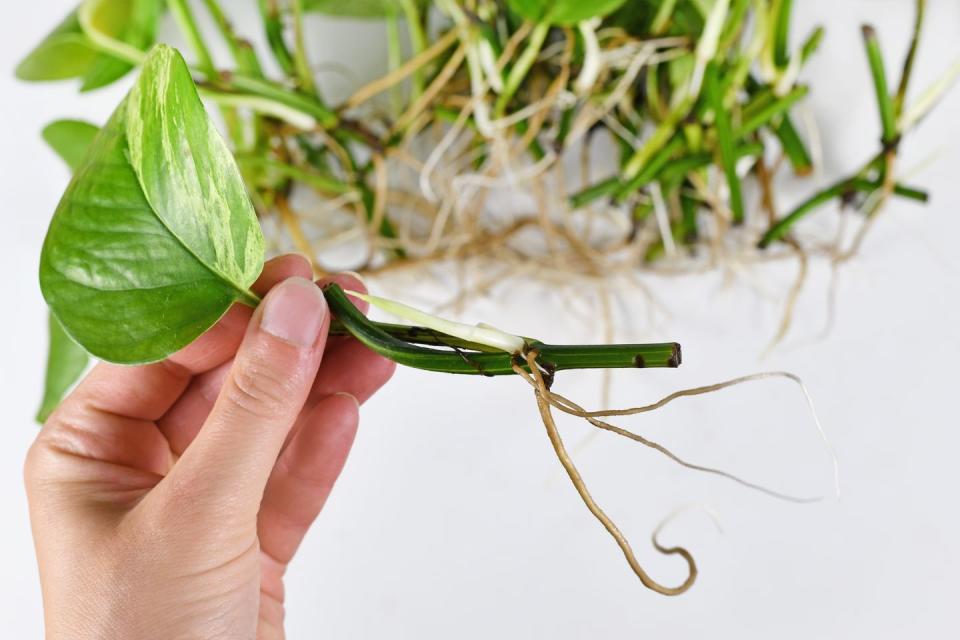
548 400
541 391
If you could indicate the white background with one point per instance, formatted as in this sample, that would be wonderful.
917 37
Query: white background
453 518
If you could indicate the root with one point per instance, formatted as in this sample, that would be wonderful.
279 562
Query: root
541 392
569 407
548 400
789 308
452 152
396 76
294 229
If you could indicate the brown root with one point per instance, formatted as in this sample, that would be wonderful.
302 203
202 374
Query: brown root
541 391
548 400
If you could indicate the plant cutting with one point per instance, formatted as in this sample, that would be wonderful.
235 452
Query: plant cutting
155 238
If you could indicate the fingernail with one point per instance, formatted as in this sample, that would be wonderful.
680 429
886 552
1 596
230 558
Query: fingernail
294 311
354 274
344 394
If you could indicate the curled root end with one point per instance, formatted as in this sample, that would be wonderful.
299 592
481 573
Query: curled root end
542 392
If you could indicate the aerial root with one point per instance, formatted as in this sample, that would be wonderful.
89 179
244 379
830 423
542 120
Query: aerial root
569 407
790 306
548 400
535 377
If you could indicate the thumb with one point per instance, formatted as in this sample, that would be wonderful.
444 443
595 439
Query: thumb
229 462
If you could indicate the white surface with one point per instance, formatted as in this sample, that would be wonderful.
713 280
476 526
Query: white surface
453 518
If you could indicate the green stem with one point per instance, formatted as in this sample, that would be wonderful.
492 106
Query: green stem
781 34
651 169
104 42
677 169
657 139
396 342
248 298
188 24
272 91
811 44
521 67
327 184
669 171
602 189
793 146
662 18
261 105
888 118
418 41
394 54
226 32
909 60
225 89
273 29
301 60
725 141
770 110
837 190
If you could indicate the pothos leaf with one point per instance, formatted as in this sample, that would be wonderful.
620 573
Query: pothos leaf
155 237
70 139
133 22
64 53
358 8
563 13
532 10
67 52
66 360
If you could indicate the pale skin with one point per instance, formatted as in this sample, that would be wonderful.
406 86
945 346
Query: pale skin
167 500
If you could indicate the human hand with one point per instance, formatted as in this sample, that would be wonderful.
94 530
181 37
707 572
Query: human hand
166 500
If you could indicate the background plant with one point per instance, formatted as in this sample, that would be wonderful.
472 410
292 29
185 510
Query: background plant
694 96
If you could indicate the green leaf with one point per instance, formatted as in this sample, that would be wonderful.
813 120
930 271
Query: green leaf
563 13
67 52
64 53
70 139
359 8
66 362
133 22
532 10
155 237
570 12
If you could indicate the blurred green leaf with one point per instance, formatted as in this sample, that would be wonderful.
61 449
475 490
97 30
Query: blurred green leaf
67 52
358 8
563 12
66 360
64 53
70 139
133 22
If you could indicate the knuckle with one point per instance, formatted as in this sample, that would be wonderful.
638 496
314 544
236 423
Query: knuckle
260 391
32 466
59 438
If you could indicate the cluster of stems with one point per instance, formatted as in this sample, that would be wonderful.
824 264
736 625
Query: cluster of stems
694 97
